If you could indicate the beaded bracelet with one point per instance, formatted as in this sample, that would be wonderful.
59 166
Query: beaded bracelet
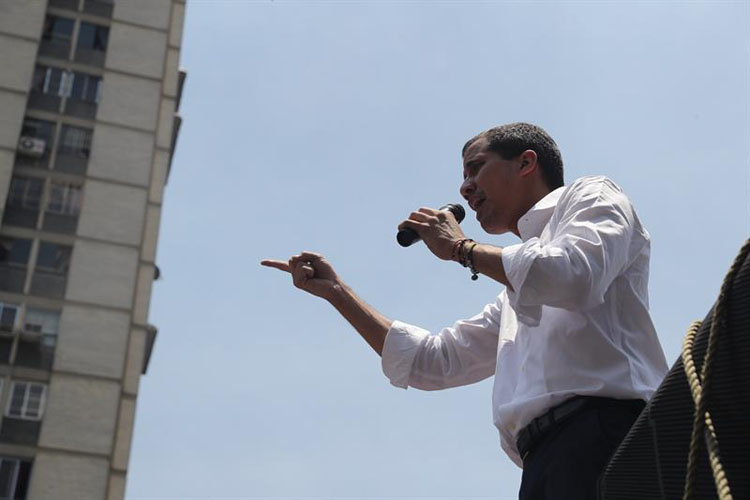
465 259
458 251
470 259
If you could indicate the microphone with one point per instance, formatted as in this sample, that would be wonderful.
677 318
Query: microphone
407 236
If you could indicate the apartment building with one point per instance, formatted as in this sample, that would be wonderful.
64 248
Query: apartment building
89 95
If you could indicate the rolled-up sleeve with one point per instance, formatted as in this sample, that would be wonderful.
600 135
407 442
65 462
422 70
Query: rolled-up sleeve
459 355
595 235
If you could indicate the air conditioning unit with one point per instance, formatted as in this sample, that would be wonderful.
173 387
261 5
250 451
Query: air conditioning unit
31 146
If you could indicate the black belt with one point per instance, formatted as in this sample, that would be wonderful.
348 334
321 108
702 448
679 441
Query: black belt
531 435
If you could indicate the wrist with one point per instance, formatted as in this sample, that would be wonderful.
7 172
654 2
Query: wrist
338 294
460 247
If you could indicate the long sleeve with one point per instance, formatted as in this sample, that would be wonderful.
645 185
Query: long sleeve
595 234
459 355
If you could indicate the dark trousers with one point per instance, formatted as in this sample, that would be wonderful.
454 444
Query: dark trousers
569 460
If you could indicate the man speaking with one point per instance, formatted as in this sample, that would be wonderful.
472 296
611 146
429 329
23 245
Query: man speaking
570 339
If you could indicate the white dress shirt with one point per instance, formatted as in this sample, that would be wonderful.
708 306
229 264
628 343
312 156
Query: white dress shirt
575 323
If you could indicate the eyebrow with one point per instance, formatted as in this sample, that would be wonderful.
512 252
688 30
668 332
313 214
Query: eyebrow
473 162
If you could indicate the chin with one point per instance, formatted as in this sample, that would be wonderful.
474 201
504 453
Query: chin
492 229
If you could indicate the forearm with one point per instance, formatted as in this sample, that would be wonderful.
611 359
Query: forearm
487 260
371 325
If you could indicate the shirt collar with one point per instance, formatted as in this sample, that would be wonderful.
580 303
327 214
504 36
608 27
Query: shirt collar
533 221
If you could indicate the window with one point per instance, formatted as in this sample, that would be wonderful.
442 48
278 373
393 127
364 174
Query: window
75 141
58 30
50 274
92 44
64 198
22 207
93 37
53 258
86 87
25 192
74 146
41 321
14 251
56 37
14 256
26 400
14 478
8 315
52 81
84 95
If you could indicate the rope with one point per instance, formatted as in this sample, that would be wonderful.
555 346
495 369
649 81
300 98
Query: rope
702 423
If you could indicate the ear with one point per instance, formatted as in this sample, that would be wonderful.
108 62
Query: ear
528 162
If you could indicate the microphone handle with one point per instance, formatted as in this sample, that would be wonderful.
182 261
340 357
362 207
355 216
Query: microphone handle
407 237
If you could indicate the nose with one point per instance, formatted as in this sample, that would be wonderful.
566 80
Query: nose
467 188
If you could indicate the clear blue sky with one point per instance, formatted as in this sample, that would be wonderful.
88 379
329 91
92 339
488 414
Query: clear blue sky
320 126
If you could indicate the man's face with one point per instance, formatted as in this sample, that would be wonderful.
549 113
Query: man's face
492 189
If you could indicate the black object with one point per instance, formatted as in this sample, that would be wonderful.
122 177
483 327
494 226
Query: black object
652 459
407 237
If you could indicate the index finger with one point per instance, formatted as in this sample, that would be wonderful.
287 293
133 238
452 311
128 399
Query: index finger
278 264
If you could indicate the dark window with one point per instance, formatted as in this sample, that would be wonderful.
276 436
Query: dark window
14 251
22 207
64 198
56 37
8 320
14 478
25 192
48 86
35 143
51 271
14 257
92 44
84 95
63 207
8 314
73 149
86 87
57 29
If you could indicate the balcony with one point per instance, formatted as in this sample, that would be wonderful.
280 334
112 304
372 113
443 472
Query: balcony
64 4
80 109
12 277
72 163
48 284
54 48
92 57
101 8
44 102
59 223
21 217
35 350
20 431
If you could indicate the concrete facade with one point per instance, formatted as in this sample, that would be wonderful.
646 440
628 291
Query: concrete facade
86 138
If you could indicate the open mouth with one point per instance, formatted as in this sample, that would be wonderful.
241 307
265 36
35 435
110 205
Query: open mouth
475 204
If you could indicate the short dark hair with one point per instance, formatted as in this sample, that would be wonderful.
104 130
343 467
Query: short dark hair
512 139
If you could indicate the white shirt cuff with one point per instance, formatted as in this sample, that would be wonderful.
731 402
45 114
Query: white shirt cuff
399 350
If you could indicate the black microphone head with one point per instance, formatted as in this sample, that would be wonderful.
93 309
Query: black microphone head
456 209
